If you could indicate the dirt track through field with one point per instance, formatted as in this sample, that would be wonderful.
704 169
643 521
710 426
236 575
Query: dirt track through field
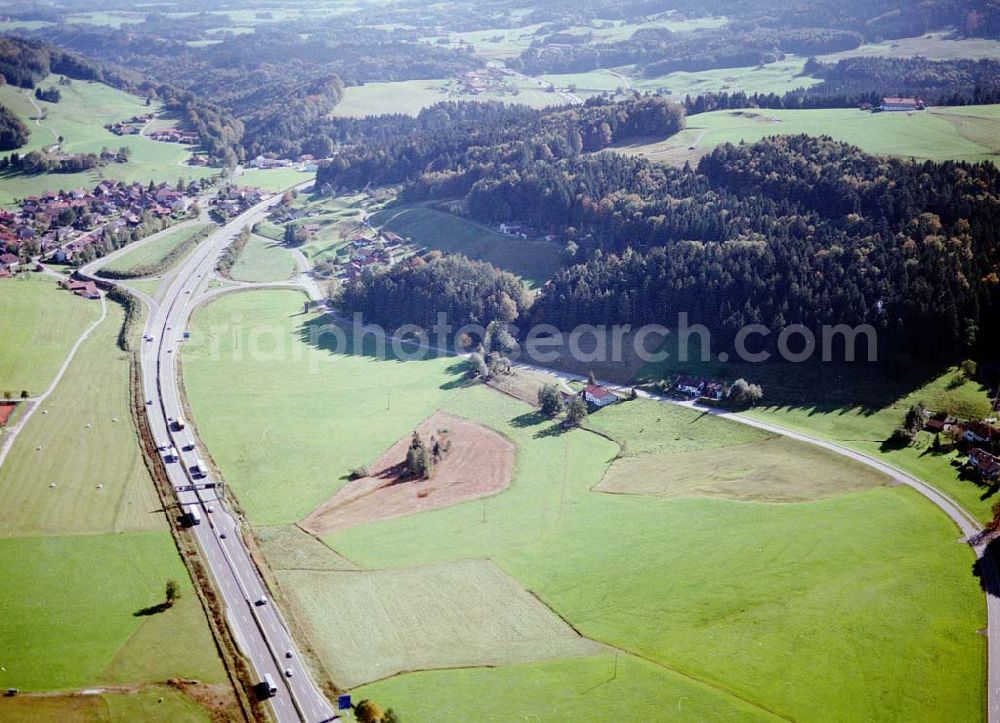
480 463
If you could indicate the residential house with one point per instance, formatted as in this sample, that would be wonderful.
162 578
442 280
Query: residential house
598 396
985 463
690 386
901 104
981 433
714 390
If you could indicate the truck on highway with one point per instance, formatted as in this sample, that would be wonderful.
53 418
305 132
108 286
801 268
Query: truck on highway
267 687
179 424
172 455
200 469
193 516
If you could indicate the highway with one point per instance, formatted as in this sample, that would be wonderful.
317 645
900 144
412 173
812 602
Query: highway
257 624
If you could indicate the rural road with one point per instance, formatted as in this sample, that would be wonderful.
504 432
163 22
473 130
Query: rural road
259 628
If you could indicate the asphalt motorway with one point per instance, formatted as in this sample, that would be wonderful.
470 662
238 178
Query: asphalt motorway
257 624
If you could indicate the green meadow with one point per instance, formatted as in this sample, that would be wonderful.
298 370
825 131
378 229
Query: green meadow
263 260
534 260
39 323
411 96
83 441
858 405
79 118
144 704
866 428
933 46
274 179
778 77
848 599
157 251
966 134
69 617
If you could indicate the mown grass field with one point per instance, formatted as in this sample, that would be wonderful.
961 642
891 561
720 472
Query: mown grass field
263 260
936 135
778 77
861 603
857 405
280 359
470 613
411 96
155 252
79 118
274 179
534 260
867 428
647 427
933 46
68 613
159 701
81 437
39 323
586 689
774 470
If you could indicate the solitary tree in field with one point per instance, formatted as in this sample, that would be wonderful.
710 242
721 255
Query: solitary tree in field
477 367
173 592
368 711
550 400
419 459
576 411
24 394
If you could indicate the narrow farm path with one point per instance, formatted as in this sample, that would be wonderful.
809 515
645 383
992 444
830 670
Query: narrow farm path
32 404
39 114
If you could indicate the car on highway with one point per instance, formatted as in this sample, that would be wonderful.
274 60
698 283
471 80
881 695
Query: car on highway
262 600
288 654
288 672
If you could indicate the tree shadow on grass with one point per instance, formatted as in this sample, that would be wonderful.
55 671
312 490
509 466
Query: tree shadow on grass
152 610
985 568
528 419
460 382
556 430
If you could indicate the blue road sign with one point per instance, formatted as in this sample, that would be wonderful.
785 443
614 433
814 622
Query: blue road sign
344 702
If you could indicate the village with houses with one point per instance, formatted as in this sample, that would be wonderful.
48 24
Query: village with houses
135 125
71 225
231 201
373 248
979 438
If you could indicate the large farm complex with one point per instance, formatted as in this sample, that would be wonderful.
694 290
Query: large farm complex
490 362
